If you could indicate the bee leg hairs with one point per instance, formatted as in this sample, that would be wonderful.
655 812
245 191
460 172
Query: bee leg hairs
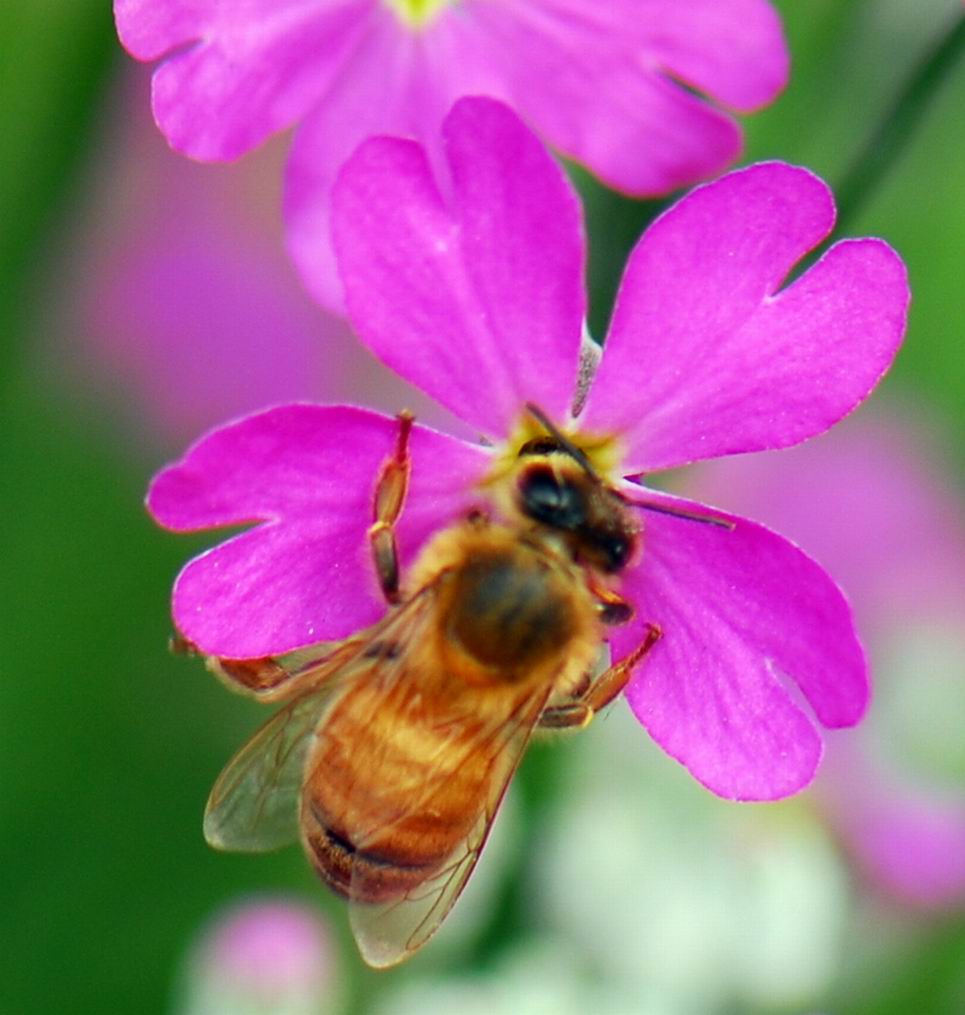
390 491
579 712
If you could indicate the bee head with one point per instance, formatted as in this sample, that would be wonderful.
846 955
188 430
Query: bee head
557 488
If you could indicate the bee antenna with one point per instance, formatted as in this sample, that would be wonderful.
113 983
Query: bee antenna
689 516
567 445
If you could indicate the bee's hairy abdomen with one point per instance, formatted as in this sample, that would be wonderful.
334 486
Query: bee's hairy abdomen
339 862
405 764
389 796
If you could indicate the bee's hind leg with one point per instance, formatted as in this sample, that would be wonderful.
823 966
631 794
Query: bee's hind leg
390 491
602 691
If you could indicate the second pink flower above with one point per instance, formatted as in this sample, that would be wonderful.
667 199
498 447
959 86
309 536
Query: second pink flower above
610 84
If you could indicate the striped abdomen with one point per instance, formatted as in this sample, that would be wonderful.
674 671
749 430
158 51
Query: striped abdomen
395 786
410 763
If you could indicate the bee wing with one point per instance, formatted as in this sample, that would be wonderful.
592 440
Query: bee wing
280 678
390 932
253 806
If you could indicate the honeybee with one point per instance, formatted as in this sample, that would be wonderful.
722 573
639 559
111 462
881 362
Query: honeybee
394 747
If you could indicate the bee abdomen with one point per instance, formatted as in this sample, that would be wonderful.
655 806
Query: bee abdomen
366 875
379 817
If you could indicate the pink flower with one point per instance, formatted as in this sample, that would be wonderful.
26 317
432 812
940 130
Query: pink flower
189 313
479 300
267 956
189 310
609 84
870 502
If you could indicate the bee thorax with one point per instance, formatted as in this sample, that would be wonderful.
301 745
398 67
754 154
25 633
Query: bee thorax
509 610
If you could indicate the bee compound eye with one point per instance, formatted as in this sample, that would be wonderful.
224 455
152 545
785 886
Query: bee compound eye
544 499
617 549
540 489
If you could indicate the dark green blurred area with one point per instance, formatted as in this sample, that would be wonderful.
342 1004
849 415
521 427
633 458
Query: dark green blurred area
108 745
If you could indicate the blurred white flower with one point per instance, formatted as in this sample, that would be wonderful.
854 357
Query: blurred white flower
683 902
543 976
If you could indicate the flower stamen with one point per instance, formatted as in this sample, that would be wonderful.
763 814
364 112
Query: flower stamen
601 453
417 13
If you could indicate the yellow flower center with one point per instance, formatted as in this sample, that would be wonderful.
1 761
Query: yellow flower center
604 452
416 13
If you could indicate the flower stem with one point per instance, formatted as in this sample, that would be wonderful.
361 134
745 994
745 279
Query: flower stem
886 145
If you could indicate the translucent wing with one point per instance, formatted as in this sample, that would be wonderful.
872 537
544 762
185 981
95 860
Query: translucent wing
390 932
280 678
253 806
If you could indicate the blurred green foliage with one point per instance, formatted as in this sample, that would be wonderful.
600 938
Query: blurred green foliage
55 58
108 745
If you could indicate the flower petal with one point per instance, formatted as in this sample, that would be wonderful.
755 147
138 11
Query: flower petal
910 842
189 313
596 80
591 96
732 49
907 560
398 86
480 304
703 359
738 608
253 71
309 472
908 833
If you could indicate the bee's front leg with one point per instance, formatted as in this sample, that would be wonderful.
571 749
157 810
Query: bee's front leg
390 491
602 691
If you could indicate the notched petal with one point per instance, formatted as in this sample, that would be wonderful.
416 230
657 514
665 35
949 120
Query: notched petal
740 610
308 473
706 356
235 76
479 300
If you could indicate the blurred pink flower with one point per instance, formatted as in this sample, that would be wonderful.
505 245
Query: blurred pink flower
268 957
190 312
870 502
199 320
610 84
480 302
